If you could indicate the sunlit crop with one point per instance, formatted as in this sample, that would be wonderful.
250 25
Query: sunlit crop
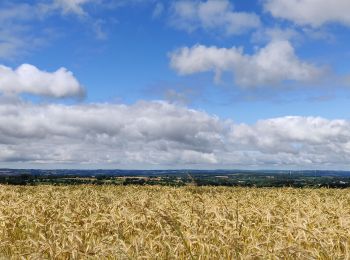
173 223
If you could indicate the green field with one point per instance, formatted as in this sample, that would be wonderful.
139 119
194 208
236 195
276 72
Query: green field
153 222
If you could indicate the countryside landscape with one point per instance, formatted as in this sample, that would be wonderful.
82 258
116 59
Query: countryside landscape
175 129
178 214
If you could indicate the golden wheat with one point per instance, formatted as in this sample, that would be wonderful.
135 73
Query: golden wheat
136 222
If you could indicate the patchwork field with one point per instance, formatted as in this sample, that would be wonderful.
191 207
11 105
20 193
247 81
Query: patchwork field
140 222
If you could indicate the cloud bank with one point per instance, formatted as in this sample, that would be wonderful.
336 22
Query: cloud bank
271 65
160 134
30 80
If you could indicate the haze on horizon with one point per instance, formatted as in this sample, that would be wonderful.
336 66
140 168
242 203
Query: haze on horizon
155 84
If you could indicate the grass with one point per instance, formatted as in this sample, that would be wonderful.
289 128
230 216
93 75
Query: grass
140 222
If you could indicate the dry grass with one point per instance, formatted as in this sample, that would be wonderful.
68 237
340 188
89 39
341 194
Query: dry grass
173 223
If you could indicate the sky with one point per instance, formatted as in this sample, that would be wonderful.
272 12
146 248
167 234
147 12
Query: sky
152 84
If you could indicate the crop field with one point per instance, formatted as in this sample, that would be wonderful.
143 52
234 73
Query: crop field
144 222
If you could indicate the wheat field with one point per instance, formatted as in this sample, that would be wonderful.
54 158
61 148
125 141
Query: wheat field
140 222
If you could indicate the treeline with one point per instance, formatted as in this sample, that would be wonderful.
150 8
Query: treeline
319 182
27 179
232 181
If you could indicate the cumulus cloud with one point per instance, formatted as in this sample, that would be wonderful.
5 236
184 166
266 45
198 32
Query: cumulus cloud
29 79
295 140
161 134
310 12
212 15
271 65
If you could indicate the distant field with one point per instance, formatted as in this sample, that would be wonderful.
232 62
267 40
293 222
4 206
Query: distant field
128 222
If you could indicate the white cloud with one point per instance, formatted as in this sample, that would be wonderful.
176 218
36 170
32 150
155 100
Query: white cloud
158 10
270 65
275 34
72 6
15 36
212 15
19 33
21 29
310 12
29 79
161 134
296 140
147 132
23 26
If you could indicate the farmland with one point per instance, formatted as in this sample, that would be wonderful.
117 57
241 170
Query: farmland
262 178
158 222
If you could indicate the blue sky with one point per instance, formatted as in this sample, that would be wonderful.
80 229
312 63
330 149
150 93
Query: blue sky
238 71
